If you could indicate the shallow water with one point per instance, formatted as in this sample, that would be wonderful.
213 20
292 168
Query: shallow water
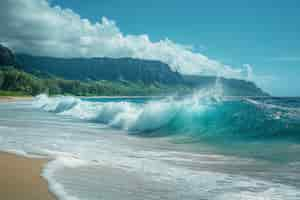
159 149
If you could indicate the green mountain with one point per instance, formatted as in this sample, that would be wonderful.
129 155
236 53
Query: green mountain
110 69
230 87
105 76
7 57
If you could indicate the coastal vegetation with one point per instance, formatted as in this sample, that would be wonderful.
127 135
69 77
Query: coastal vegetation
22 74
14 82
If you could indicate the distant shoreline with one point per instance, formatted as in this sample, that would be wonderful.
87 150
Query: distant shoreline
117 97
21 98
26 98
14 98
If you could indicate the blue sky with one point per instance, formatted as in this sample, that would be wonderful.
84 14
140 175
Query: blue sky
253 40
264 34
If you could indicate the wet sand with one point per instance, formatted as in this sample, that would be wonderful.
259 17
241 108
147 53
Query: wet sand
20 178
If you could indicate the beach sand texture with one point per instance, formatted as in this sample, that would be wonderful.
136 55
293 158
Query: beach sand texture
4 99
20 178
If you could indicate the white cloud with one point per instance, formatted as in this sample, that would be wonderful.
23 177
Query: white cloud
35 27
264 81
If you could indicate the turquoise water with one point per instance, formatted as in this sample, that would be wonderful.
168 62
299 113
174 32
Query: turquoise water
241 118
264 128
203 146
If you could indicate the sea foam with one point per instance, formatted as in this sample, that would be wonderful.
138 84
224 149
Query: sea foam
125 115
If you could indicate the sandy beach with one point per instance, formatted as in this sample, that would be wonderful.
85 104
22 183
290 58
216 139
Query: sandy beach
12 99
20 178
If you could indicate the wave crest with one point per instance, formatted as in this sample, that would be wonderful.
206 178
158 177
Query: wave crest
204 114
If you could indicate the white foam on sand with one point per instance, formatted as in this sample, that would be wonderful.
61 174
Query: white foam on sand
22 153
184 182
49 170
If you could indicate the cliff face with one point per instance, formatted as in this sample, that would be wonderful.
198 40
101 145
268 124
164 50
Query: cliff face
230 87
102 69
122 69
128 69
7 57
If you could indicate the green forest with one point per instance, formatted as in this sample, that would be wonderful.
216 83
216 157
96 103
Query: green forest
15 82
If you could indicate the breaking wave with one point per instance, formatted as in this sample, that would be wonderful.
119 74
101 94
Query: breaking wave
204 114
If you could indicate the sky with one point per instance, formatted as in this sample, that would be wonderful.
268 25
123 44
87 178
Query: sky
253 40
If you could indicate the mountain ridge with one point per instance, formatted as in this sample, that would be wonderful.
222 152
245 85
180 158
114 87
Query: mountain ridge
147 72
112 69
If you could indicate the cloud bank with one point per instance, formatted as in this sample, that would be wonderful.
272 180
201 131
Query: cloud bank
35 27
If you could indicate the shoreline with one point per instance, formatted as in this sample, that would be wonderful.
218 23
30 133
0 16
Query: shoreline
21 178
120 97
14 98
22 98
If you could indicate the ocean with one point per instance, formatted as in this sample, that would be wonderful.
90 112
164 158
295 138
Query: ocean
199 147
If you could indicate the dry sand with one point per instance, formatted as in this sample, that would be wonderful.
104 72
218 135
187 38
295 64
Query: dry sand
20 178
12 99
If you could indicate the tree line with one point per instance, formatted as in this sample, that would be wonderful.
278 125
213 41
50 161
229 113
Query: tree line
15 80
